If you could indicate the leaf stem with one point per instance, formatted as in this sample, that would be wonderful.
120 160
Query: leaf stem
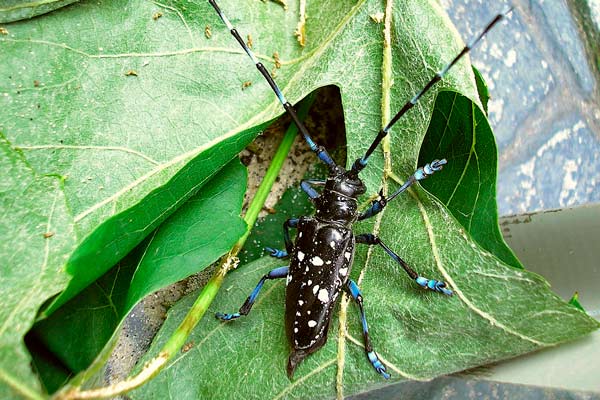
272 172
209 291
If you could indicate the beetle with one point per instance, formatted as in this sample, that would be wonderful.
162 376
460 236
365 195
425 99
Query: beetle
321 256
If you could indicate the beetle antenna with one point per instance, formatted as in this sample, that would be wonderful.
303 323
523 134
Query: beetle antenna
319 150
360 163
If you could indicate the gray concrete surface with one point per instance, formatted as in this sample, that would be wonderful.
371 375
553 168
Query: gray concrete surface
545 108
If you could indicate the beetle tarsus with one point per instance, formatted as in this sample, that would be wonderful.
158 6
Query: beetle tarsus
377 364
227 317
435 285
276 252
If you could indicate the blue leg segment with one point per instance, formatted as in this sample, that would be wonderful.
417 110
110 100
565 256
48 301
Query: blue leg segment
289 245
431 284
307 186
420 174
276 252
354 291
276 273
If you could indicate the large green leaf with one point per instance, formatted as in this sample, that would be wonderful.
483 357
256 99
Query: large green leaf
135 147
191 239
132 148
37 235
418 334
460 132
497 312
15 10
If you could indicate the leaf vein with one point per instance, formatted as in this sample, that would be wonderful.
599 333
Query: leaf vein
438 261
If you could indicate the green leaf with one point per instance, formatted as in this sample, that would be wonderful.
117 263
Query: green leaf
574 301
37 235
206 227
132 148
15 10
461 133
190 240
268 232
417 333
498 311
482 89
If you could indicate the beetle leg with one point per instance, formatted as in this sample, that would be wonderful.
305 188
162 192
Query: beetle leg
290 223
431 284
307 186
420 174
289 245
276 273
276 252
354 291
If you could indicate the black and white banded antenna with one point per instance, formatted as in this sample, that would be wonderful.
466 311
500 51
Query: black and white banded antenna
319 150
360 163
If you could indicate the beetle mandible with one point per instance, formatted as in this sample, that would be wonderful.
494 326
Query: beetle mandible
321 257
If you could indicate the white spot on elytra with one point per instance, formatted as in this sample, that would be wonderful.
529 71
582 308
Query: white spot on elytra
295 330
289 279
343 271
300 302
312 323
317 261
332 244
300 235
300 256
315 289
309 282
323 295
347 255
298 313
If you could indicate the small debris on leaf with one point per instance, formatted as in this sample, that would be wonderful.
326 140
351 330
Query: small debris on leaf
277 60
48 235
207 32
131 72
157 15
187 347
280 2
377 17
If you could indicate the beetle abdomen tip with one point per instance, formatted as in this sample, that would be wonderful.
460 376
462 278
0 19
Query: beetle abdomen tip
295 358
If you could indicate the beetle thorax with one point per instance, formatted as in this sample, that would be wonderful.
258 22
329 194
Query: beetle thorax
339 200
